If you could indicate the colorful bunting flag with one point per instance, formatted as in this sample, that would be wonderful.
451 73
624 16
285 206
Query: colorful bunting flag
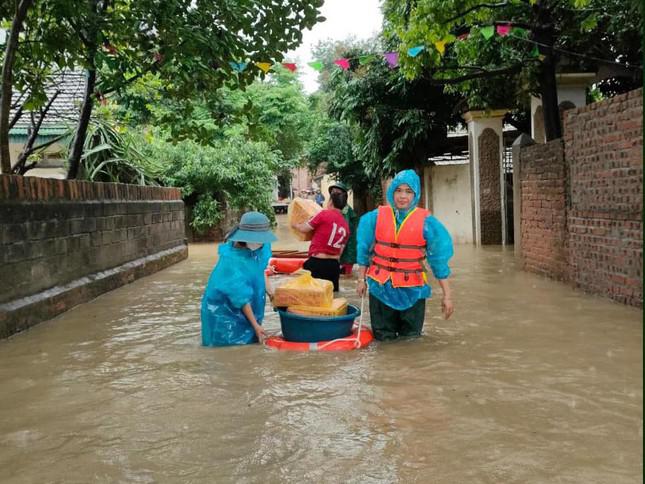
463 36
415 51
392 59
365 59
520 32
503 30
535 52
440 46
264 66
289 65
488 31
237 66
316 65
343 63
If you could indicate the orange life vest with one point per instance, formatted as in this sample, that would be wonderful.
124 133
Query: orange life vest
398 254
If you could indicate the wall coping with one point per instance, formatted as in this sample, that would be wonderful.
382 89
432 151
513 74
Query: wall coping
30 189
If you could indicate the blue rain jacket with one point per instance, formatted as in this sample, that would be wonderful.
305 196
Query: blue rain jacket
237 279
439 247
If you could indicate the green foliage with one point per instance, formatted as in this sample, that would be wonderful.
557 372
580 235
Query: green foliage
231 174
110 154
186 45
399 123
500 71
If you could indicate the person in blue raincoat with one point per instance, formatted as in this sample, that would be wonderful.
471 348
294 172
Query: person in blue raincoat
233 303
394 242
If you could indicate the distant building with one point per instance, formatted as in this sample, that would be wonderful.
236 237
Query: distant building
60 121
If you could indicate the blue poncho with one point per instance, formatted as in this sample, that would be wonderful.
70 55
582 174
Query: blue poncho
439 247
237 279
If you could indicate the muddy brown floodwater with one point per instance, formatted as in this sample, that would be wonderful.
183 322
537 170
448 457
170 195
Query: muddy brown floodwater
529 382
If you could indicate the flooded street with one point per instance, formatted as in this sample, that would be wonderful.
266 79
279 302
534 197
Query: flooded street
529 382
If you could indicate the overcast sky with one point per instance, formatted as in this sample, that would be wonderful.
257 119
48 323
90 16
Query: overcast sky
358 18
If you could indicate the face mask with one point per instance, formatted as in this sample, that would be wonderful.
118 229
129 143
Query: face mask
253 246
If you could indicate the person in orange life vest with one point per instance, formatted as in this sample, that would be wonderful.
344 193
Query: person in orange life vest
330 235
393 243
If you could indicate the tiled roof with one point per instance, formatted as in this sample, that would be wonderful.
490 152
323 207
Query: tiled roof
65 109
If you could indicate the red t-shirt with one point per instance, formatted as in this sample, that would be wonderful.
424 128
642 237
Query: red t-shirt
330 232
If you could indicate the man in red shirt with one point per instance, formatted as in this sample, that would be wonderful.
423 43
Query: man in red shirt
330 235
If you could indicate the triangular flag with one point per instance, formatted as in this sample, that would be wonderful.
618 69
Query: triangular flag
535 52
541 57
441 46
343 63
237 66
519 32
316 65
488 31
265 66
532 2
289 65
365 59
503 30
415 51
463 36
392 59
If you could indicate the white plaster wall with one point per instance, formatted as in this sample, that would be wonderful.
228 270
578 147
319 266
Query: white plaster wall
451 200
575 94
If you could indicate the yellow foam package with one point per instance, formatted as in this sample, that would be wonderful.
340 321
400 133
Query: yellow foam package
301 210
304 290
338 308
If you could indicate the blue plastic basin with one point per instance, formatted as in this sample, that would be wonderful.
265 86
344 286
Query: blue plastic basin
309 329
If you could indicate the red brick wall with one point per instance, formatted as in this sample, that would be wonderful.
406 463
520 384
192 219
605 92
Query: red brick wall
582 200
604 152
543 218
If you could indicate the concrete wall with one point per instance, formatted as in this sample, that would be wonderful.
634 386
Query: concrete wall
582 200
64 242
451 202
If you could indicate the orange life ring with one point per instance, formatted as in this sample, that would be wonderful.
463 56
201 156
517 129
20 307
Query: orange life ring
280 265
342 344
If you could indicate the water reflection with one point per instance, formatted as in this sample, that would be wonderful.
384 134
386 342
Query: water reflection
529 382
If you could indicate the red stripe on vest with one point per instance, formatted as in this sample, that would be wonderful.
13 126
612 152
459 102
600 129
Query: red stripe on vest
398 255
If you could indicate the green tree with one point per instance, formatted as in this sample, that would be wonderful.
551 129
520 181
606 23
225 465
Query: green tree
568 34
189 44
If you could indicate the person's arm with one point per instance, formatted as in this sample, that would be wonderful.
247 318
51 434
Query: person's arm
438 253
309 225
447 306
259 331
361 284
267 287
304 227
364 243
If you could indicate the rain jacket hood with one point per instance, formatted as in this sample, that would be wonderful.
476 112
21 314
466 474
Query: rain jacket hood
410 178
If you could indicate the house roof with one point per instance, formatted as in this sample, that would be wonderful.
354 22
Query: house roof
63 112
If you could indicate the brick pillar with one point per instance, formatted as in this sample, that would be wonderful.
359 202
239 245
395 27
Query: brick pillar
486 149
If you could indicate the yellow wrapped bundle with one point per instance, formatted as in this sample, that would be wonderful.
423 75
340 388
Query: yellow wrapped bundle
304 290
338 308
301 210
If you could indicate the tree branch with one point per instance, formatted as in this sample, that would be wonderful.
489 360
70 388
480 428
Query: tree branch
28 148
477 75
477 7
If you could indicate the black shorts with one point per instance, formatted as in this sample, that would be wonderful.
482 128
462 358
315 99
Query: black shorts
328 269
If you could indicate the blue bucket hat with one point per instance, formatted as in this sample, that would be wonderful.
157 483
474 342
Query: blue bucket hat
254 227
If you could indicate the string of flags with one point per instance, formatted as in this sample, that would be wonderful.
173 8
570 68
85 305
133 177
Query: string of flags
392 58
